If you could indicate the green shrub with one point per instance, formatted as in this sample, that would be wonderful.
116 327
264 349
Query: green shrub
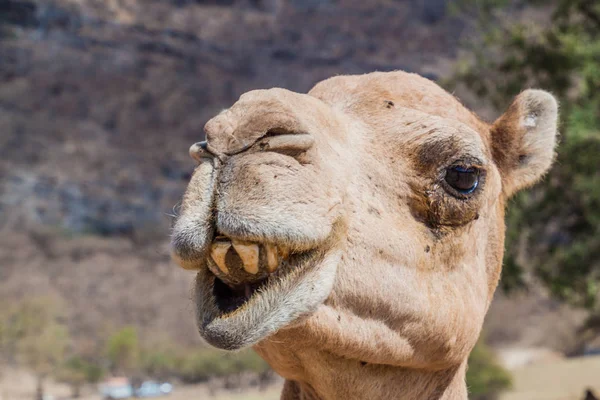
35 335
200 365
249 361
160 362
485 377
123 351
76 372
554 229
203 364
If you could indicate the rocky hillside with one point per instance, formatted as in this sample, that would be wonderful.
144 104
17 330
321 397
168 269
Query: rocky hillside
99 102
100 99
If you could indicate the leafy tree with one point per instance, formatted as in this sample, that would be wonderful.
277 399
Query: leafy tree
249 361
554 230
4 335
76 372
161 360
203 364
38 337
123 351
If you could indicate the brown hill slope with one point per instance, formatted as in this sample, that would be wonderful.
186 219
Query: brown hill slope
99 101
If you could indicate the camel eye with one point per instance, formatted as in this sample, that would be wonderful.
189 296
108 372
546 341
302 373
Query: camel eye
462 179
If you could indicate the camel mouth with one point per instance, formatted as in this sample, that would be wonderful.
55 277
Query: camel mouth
230 297
249 290
245 269
242 267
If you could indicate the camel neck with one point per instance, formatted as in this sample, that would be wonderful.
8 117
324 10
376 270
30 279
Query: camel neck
379 382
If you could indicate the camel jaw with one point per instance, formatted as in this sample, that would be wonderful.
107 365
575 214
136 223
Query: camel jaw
231 318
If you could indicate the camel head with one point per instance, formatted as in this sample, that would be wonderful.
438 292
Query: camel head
358 226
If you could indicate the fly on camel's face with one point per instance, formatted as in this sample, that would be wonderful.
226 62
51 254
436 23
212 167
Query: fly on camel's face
356 233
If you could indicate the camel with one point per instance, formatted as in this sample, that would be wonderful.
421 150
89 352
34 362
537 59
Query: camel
353 236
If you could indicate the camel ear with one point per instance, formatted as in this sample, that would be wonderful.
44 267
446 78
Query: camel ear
524 138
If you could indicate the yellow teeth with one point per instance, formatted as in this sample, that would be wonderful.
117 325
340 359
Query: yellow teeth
272 257
237 261
248 253
218 252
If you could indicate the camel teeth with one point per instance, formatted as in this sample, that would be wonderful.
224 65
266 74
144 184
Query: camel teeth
249 255
218 252
272 257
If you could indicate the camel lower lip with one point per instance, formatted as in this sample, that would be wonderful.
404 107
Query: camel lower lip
233 317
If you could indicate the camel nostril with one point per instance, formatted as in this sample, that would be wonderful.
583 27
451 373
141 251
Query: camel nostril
199 150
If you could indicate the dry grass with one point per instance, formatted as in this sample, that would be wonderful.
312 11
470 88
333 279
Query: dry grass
193 392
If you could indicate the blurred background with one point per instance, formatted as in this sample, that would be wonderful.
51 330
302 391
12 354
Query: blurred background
100 100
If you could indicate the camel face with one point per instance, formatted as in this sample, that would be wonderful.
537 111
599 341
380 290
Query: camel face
363 221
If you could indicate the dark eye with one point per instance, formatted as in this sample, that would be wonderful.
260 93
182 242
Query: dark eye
462 179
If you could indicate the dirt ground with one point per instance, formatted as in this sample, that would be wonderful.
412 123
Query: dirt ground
192 392
19 385
564 379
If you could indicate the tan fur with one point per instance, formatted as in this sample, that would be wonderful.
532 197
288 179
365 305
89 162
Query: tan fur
390 274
